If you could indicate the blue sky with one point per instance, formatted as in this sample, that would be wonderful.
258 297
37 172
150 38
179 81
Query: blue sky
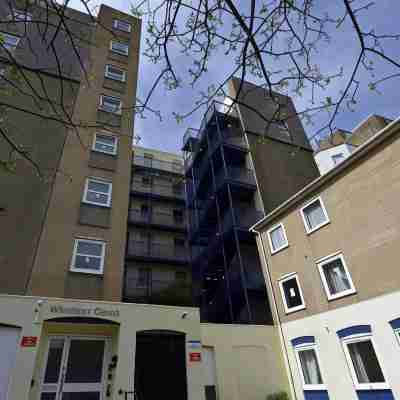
341 52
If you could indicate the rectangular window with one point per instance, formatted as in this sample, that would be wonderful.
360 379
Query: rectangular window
291 293
98 192
88 256
364 364
115 73
111 104
148 160
314 215
9 42
277 238
119 48
178 242
105 144
335 277
308 364
178 216
122 25
337 158
147 181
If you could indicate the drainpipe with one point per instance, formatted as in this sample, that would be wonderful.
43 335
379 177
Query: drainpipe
275 309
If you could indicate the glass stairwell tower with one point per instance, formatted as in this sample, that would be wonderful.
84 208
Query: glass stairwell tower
224 199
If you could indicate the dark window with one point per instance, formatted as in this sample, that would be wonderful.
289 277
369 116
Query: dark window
178 242
180 276
147 180
143 277
178 215
292 293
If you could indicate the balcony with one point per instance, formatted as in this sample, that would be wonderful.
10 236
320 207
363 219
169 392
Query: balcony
157 219
153 163
157 252
159 191
236 176
163 292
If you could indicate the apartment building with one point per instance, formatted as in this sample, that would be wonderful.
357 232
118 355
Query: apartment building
157 259
329 254
65 331
338 146
239 166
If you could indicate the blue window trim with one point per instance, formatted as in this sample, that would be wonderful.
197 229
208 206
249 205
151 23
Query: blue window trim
303 340
354 330
395 323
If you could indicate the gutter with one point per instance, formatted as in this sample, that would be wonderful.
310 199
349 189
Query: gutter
275 310
363 149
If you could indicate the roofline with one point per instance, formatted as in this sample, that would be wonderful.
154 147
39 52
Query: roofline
336 145
150 149
367 118
363 149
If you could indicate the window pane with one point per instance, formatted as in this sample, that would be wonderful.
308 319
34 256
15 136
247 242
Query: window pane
108 140
365 362
54 361
90 248
99 186
85 361
90 263
336 277
81 396
310 367
314 215
97 198
292 293
48 396
277 238
143 277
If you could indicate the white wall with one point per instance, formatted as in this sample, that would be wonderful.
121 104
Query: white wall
324 158
376 312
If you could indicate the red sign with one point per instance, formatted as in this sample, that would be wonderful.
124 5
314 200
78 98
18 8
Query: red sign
195 357
29 341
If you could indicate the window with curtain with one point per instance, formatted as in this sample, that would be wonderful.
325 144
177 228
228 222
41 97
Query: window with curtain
277 238
314 215
309 368
335 277
366 370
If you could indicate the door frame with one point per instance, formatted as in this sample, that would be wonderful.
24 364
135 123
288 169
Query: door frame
64 359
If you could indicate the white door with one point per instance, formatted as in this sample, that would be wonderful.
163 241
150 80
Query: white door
9 338
75 369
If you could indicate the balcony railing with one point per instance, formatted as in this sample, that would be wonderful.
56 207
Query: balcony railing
157 218
242 218
157 251
155 163
173 191
164 292
237 175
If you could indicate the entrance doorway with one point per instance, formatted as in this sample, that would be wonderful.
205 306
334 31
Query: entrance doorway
160 365
75 368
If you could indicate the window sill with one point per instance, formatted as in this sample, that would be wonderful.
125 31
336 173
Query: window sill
295 309
96 204
318 227
114 155
280 249
85 271
109 112
341 295
372 386
314 387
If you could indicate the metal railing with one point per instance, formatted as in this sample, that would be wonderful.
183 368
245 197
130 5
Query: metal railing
156 218
157 250
169 166
236 174
166 292
172 190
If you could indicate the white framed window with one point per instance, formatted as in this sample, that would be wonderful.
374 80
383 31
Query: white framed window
105 143
364 364
309 367
110 104
19 15
335 277
97 192
10 42
119 48
314 215
337 158
122 25
277 238
115 73
292 295
88 256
